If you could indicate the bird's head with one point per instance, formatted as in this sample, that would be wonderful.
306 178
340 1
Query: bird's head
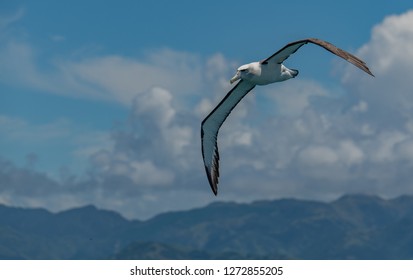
241 72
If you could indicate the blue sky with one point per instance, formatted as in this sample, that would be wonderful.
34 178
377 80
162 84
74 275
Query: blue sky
101 103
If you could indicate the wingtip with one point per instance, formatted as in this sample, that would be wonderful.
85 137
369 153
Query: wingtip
214 187
213 184
367 70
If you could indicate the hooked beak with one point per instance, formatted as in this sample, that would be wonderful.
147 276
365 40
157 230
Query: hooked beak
235 78
294 72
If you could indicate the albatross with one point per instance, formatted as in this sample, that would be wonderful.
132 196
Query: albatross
264 72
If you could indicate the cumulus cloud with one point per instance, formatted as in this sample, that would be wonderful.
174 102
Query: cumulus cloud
107 77
121 78
386 102
390 56
290 99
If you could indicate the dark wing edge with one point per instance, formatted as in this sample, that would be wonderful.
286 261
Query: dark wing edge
210 127
285 52
291 48
342 53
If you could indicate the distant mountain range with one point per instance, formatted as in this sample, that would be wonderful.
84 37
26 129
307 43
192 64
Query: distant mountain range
352 227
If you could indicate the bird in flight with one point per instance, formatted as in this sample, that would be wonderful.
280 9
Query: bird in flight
267 71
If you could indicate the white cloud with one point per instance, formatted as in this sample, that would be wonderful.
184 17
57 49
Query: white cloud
390 56
346 152
350 153
360 107
109 77
147 174
318 155
121 78
155 105
385 144
293 97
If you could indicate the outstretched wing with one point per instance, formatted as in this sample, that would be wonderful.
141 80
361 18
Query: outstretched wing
291 48
210 127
